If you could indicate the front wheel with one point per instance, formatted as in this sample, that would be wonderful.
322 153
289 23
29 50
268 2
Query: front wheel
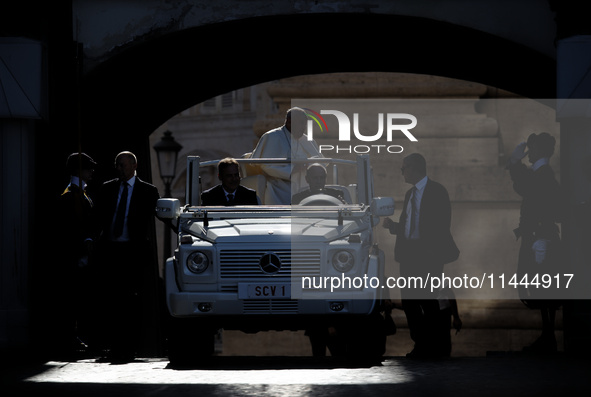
189 342
366 339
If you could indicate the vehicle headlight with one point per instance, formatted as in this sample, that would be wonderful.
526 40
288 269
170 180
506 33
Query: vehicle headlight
343 261
197 262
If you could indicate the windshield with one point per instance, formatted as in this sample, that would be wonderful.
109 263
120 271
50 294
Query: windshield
313 182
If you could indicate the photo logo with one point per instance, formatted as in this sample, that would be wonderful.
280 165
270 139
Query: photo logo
317 118
392 122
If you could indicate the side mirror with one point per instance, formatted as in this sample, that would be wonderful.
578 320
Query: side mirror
382 206
168 208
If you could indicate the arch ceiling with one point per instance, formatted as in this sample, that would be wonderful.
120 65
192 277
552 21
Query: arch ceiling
138 89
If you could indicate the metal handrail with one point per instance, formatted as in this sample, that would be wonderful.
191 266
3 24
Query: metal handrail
283 160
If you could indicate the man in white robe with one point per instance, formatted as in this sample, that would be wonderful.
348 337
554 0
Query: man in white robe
288 141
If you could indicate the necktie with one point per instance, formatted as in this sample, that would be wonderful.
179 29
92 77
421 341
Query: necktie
413 212
230 199
120 217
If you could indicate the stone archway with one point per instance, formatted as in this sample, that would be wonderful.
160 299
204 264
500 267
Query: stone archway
137 90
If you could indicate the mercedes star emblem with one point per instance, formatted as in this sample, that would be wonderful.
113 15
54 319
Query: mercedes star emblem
270 263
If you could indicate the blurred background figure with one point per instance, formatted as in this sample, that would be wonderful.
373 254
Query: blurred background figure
538 230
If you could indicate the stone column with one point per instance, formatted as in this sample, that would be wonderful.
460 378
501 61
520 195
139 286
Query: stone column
22 101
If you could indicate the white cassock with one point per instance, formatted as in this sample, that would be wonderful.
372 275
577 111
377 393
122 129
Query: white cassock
281 178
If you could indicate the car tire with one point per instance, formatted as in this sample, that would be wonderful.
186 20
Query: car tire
189 343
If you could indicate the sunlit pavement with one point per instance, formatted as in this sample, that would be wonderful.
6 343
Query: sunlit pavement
502 375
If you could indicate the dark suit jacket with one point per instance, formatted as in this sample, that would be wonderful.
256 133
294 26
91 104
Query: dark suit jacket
76 209
142 208
75 223
435 245
216 196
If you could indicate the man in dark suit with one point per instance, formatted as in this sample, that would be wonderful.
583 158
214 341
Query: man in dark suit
316 179
230 191
423 245
538 229
126 207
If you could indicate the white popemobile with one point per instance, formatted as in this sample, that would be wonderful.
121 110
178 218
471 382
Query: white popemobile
277 267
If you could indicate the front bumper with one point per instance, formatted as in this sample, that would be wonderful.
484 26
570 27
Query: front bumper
198 304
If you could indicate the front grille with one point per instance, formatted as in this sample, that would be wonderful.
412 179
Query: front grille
245 263
229 288
270 306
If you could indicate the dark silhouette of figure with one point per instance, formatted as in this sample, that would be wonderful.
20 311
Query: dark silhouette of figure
229 192
424 244
75 235
126 207
448 316
538 230
316 179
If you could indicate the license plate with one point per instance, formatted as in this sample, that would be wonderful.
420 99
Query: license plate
264 291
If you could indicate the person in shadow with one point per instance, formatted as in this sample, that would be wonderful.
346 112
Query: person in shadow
424 244
229 192
538 230
73 278
126 207
448 315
